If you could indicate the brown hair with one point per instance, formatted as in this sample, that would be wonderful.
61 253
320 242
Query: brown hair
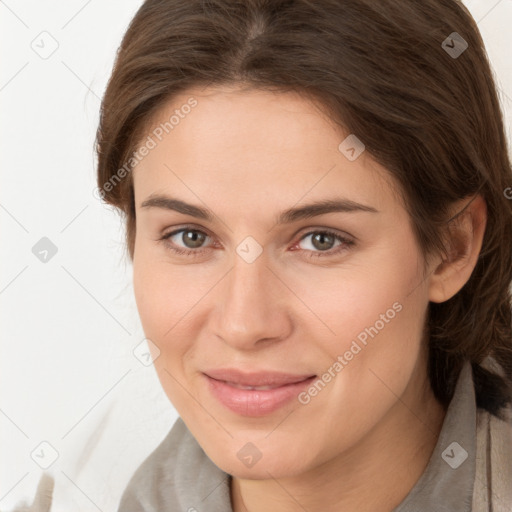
386 72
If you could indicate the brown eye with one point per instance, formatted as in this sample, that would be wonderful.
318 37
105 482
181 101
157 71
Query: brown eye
192 239
185 241
323 241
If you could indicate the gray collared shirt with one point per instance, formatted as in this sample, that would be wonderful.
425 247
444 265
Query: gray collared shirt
178 476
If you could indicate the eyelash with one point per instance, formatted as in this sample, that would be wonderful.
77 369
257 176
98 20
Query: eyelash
345 243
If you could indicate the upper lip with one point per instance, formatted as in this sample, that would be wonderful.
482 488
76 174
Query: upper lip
256 378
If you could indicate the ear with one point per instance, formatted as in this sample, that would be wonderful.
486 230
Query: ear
464 239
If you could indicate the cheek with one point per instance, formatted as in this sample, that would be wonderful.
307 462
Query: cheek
376 297
160 304
169 299
378 314
149 296
162 310
164 293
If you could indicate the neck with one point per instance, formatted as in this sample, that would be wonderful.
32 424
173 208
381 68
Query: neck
377 474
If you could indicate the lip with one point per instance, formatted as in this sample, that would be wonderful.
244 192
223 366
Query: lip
226 385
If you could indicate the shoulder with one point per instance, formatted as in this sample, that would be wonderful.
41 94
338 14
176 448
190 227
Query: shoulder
493 482
141 493
172 476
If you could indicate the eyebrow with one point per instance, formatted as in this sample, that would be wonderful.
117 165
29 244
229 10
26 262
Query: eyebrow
294 214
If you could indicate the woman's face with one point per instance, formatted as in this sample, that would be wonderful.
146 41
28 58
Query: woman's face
251 292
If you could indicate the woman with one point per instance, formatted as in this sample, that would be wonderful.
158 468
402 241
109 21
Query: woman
317 202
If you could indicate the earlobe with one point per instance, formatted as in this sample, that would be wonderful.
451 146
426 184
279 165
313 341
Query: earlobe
465 235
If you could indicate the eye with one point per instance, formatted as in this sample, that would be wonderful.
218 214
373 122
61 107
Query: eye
192 240
323 243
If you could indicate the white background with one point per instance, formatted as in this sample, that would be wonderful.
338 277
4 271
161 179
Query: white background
69 326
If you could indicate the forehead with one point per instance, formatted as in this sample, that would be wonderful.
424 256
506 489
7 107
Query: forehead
249 145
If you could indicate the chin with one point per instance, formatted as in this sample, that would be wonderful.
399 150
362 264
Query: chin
257 460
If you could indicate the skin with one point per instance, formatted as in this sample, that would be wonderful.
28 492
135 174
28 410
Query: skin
365 439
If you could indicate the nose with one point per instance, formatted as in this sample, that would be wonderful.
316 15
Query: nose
252 306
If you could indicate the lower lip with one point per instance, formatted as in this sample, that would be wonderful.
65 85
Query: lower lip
247 402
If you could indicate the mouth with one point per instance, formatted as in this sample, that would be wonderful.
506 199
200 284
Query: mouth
257 393
258 388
